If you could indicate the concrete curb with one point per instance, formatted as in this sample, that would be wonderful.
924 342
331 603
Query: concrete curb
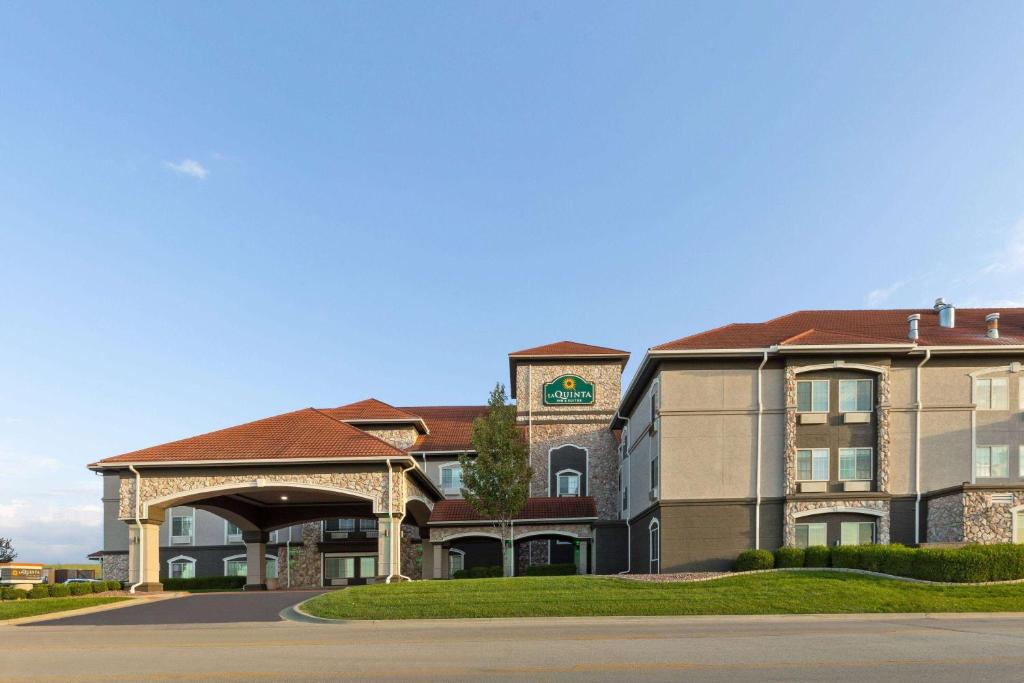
52 616
297 614
838 570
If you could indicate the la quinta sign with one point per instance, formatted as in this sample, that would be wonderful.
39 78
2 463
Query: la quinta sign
568 390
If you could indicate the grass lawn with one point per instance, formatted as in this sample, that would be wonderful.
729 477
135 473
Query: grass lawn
15 609
576 596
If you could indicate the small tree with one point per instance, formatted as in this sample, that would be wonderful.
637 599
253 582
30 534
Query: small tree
497 482
7 553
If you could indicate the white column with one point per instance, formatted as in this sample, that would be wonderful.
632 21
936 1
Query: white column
144 555
385 544
255 560
581 563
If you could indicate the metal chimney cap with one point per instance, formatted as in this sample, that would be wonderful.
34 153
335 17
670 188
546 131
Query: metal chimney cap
991 316
913 316
939 303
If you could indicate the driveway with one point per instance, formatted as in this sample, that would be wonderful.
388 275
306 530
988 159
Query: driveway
202 608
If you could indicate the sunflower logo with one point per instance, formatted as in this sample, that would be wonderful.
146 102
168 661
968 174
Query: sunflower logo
569 384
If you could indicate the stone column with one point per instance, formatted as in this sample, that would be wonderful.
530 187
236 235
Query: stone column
144 549
255 560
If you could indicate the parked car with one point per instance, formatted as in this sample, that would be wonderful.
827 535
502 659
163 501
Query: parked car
82 581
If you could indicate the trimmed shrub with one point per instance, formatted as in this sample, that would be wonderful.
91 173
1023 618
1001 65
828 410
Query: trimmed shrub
39 591
461 574
59 590
79 588
846 556
751 560
566 569
205 582
13 593
789 557
817 556
98 586
113 585
488 572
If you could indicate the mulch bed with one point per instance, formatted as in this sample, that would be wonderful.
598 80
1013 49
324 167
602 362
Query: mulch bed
679 576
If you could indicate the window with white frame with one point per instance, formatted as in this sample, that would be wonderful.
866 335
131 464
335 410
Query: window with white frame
181 567
655 405
181 528
812 464
456 561
623 491
655 468
856 533
812 396
992 462
855 464
654 532
238 566
232 532
991 393
451 478
568 483
855 395
815 533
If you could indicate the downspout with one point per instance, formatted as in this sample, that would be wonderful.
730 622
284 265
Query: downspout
288 556
917 445
391 541
629 483
138 524
757 492
405 500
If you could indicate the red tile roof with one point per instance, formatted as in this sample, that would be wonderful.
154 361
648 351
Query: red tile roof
369 409
306 433
858 327
451 427
569 349
579 507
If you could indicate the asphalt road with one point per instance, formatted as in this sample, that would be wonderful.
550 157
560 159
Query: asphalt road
722 649
201 608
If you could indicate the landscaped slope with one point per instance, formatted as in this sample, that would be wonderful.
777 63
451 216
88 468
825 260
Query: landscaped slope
782 593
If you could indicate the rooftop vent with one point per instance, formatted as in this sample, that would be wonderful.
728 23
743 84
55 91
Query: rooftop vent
947 313
913 320
992 321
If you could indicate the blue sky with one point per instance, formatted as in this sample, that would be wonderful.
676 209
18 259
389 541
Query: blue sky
215 213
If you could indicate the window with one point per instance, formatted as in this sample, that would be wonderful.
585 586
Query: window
339 567
451 478
271 567
812 396
854 464
623 491
235 567
655 469
456 561
568 483
367 525
855 395
655 544
654 406
1018 526
181 568
181 529
992 462
346 525
857 533
811 534
232 533
367 566
991 394
812 464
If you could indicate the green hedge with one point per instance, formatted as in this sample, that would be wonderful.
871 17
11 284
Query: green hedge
59 590
39 591
487 572
205 582
566 569
751 560
80 588
8 593
789 557
113 585
968 564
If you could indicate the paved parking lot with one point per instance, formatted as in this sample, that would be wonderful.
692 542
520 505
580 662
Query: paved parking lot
202 608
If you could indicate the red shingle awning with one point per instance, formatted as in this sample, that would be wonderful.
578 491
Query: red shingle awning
554 509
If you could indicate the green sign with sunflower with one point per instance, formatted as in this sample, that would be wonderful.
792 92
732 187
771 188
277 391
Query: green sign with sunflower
568 390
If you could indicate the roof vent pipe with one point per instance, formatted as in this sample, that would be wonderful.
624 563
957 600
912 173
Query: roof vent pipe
912 333
992 321
947 313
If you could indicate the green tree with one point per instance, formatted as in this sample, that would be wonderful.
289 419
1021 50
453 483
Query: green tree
496 483
7 553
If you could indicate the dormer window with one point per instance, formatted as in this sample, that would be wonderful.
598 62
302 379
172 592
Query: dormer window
812 396
451 478
568 483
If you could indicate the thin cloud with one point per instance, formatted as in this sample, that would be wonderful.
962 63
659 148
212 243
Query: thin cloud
189 167
877 296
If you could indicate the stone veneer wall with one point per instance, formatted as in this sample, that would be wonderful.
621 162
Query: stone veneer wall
399 437
306 571
884 399
411 553
114 567
826 506
971 517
